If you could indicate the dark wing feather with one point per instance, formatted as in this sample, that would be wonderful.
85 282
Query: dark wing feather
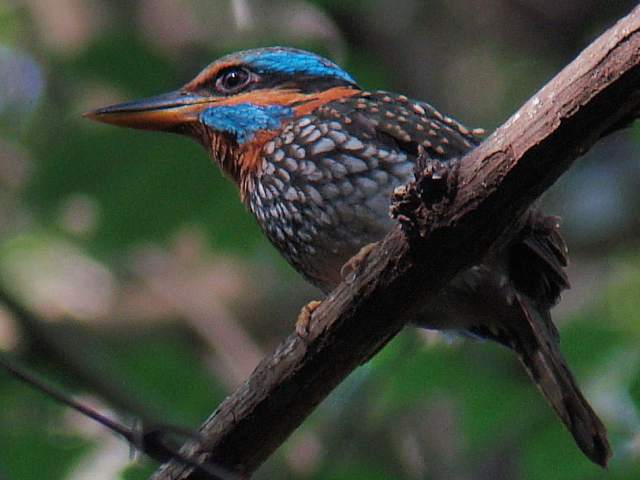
403 124
537 258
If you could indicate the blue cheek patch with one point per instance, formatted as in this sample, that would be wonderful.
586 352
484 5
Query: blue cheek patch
292 62
245 119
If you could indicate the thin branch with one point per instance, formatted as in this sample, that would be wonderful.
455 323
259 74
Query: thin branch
496 183
76 352
63 398
157 441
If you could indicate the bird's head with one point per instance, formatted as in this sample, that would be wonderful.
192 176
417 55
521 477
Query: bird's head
237 103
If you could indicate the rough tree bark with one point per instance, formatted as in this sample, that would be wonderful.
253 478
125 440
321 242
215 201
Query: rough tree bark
494 184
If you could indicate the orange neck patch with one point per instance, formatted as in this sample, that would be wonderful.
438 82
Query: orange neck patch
246 158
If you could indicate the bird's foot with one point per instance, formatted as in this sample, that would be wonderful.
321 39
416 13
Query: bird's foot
352 265
303 323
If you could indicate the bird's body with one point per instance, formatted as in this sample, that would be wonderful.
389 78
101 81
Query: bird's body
323 189
316 158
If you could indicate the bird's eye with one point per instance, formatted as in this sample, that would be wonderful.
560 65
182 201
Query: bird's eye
232 80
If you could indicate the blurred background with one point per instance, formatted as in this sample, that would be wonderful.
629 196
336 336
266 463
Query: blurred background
151 293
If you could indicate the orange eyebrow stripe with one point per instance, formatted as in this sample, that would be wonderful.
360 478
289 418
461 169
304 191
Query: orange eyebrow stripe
208 74
307 101
316 100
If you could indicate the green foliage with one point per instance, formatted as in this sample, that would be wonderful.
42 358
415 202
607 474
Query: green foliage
166 367
34 439
466 405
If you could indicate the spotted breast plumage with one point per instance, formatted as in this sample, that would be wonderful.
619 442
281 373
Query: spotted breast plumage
316 158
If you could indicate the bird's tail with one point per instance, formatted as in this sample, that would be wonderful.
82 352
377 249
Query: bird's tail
511 306
537 259
538 351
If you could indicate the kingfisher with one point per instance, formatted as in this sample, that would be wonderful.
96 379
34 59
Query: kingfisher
316 159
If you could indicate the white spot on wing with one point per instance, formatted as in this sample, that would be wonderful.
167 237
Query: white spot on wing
323 145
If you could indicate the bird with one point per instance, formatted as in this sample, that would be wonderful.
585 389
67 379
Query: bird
316 158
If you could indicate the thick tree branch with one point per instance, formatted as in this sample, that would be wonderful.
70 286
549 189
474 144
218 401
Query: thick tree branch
496 183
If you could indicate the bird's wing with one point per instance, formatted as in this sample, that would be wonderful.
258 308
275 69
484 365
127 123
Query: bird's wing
402 124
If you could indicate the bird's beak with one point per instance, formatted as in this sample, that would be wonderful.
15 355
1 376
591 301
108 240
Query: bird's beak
170 111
